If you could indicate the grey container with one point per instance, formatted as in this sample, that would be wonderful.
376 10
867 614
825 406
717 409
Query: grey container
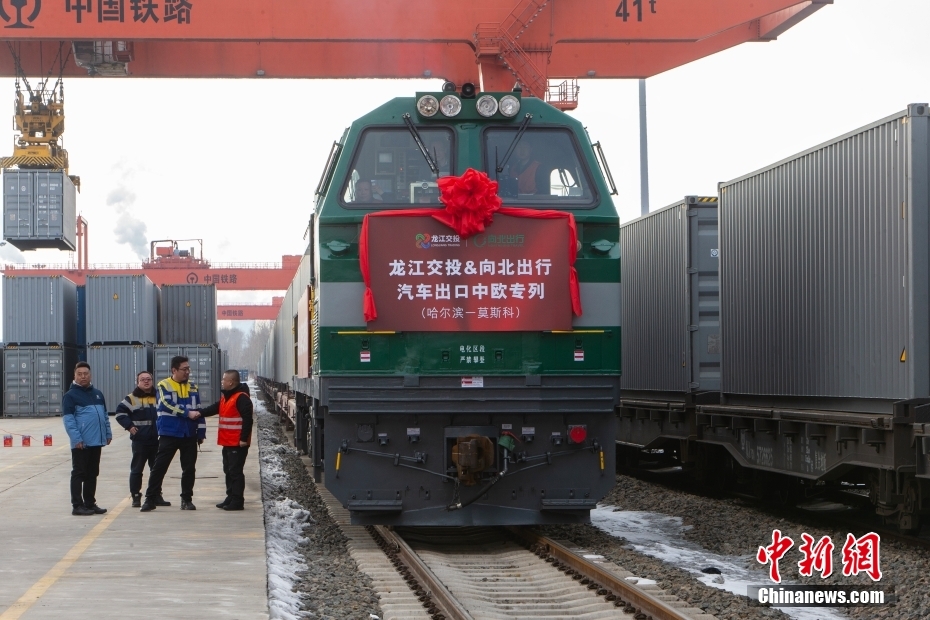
671 299
35 379
205 367
825 272
39 310
39 209
188 314
114 369
121 310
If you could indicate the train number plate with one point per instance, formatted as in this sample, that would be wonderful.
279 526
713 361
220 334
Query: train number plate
472 382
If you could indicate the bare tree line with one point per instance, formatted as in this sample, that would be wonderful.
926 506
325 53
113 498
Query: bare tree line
245 350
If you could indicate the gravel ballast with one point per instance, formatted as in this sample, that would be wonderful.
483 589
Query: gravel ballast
329 584
735 527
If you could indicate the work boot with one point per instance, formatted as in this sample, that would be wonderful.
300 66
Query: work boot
97 510
223 503
233 506
81 511
148 505
186 505
160 501
136 500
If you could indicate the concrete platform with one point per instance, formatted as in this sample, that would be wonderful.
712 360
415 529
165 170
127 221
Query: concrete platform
163 564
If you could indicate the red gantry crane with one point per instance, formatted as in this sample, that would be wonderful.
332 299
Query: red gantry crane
178 262
544 45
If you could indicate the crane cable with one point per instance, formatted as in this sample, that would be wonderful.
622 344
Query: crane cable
21 73
61 68
19 70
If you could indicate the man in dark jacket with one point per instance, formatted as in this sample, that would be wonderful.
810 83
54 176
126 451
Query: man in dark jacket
179 430
137 414
235 435
84 413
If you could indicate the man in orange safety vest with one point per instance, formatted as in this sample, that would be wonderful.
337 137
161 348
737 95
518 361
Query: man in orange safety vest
235 435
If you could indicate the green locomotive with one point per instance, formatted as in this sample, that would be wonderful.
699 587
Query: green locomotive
438 390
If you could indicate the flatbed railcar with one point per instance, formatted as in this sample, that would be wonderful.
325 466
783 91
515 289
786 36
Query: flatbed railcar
787 348
461 426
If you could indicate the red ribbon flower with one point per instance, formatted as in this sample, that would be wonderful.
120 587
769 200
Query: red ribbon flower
471 201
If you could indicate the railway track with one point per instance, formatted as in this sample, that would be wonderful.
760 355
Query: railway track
489 573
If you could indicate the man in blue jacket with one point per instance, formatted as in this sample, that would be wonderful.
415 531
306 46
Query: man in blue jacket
137 414
84 413
179 430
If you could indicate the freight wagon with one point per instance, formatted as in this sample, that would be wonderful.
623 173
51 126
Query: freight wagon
792 352
446 375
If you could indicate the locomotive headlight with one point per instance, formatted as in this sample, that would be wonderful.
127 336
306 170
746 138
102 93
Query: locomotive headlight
510 105
487 106
427 105
450 105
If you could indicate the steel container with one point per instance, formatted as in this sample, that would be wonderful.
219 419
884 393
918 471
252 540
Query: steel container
825 272
35 379
188 314
39 209
39 310
670 300
285 366
122 310
304 333
114 369
205 367
81 316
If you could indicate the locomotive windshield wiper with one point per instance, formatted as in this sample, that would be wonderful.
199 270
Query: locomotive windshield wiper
499 167
419 140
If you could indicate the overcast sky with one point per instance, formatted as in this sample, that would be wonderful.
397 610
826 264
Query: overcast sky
235 162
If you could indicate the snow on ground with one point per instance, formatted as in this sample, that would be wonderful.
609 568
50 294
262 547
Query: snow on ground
660 536
284 523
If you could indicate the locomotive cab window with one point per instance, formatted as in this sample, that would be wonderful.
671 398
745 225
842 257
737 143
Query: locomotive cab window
390 170
544 168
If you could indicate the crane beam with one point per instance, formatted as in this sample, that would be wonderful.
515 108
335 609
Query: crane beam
382 20
231 277
399 38
249 312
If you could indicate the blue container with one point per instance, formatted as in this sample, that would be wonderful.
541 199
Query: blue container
81 316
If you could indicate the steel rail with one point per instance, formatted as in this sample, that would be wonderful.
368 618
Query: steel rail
435 589
645 602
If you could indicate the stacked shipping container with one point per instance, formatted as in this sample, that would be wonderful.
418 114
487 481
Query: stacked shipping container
205 367
188 328
115 367
188 314
122 328
122 310
40 327
113 324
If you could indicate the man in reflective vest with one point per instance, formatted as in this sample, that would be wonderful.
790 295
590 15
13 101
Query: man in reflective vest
180 429
235 435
